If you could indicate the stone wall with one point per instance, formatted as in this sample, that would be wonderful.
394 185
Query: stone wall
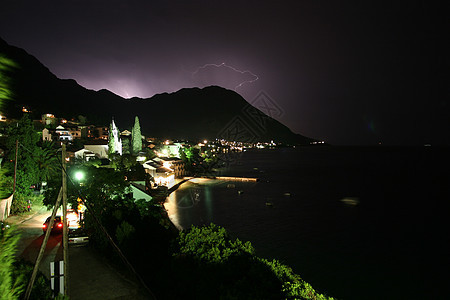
5 207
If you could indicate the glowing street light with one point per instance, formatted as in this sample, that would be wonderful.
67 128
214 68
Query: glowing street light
79 175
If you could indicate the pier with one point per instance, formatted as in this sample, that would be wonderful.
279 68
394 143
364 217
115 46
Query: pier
246 179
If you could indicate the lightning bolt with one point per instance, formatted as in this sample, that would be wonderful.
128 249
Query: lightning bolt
255 77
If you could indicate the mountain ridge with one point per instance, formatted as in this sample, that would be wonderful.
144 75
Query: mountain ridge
189 113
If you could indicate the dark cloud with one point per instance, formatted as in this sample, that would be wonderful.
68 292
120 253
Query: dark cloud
342 71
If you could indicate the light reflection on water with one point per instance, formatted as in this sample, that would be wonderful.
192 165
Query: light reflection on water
347 220
196 201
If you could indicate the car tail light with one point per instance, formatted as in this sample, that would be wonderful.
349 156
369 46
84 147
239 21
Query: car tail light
60 225
44 226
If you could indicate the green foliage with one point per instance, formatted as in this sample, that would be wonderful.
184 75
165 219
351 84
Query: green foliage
191 157
197 163
126 146
102 187
128 161
148 208
136 137
27 166
93 162
149 153
293 286
223 268
153 210
115 160
47 161
210 244
123 162
5 92
210 265
159 194
6 182
124 232
82 120
10 286
19 204
41 288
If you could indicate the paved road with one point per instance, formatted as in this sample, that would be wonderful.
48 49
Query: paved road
90 275
31 241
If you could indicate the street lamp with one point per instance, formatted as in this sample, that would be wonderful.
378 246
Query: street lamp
79 175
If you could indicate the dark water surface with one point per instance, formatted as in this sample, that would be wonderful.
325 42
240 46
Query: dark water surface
357 222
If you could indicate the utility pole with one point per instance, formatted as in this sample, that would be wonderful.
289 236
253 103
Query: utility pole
66 224
44 244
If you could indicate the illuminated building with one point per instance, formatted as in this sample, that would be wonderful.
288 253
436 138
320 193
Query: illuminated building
163 176
117 141
63 134
49 119
164 170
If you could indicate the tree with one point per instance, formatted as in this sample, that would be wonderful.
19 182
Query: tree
191 156
6 182
126 146
82 120
27 167
47 161
211 244
209 264
136 137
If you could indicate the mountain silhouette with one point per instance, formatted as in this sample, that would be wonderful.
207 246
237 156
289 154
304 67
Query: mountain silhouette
190 113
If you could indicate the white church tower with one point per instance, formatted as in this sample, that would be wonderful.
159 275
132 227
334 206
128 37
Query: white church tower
116 143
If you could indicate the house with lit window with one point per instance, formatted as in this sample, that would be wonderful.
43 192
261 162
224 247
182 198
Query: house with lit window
75 132
98 147
49 119
63 134
174 163
85 154
162 175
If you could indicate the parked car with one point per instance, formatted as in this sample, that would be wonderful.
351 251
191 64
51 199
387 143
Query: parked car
78 237
57 225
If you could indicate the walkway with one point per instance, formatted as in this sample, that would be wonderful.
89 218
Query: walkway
91 276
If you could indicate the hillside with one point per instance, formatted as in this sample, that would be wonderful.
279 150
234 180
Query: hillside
192 113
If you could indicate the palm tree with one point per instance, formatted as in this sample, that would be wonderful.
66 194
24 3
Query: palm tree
47 160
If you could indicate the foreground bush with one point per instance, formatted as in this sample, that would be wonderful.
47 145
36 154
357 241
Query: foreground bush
209 264
10 286
14 274
41 288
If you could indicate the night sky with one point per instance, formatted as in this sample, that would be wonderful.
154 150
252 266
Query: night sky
347 72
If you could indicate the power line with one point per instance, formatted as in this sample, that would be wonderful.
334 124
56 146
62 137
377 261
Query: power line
110 240
102 228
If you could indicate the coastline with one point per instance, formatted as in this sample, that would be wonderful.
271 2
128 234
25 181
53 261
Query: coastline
321 237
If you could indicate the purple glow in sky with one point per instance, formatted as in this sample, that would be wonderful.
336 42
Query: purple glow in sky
347 72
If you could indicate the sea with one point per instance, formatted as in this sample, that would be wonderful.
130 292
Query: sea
354 222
